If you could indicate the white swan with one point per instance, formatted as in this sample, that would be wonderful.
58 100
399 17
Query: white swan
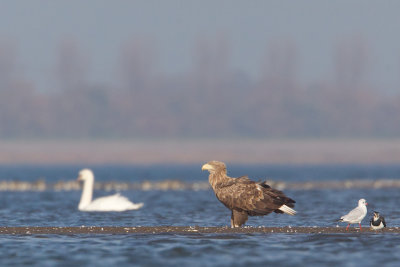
110 203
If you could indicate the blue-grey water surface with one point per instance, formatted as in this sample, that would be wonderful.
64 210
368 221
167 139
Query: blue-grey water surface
190 208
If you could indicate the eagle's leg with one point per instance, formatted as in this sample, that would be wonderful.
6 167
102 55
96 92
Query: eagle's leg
238 218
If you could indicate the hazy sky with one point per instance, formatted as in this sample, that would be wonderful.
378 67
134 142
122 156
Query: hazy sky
102 27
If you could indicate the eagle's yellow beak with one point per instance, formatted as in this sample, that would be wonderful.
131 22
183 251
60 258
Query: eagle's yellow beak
206 167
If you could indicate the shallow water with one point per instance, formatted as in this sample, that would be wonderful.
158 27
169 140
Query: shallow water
201 250
190 208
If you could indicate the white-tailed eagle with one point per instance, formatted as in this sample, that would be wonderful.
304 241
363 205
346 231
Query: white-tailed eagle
245 197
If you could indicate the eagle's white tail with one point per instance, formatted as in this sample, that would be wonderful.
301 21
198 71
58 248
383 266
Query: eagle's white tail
287 210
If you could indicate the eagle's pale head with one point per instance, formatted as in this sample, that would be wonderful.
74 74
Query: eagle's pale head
214 167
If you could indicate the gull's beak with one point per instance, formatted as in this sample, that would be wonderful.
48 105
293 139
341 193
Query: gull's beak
366 204
206 167
79 178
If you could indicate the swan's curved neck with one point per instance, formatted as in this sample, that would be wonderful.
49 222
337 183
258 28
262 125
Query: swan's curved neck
87 193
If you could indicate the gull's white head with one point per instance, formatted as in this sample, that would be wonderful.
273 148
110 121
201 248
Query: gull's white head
362 202
85 175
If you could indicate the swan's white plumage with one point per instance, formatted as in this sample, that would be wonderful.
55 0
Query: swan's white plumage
109 203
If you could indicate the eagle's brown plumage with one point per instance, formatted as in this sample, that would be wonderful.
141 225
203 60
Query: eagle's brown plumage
245 197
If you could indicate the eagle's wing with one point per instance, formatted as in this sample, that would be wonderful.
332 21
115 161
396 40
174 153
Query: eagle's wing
241 179
254 198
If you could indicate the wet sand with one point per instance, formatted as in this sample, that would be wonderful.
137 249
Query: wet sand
185 230
184 151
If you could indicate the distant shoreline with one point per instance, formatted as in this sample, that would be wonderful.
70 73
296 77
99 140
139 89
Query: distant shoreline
41 185
247 151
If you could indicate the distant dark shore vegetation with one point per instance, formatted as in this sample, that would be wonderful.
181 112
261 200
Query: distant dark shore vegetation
210 99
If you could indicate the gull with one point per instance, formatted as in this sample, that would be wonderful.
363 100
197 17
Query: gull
356 215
